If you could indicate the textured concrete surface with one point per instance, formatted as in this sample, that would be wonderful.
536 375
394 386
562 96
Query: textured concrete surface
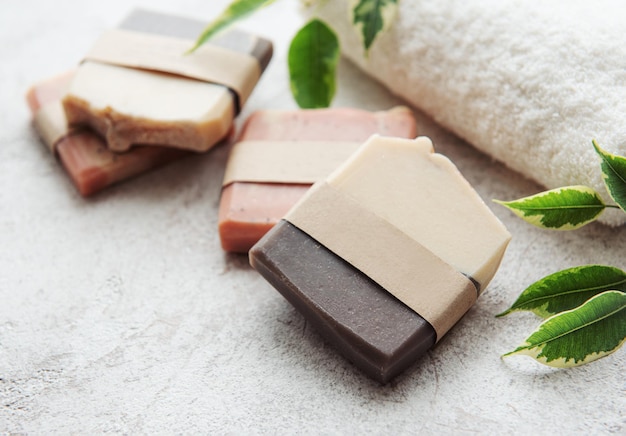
121 314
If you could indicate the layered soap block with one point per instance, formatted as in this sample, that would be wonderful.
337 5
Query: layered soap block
138 87
281 153
85 153
386 254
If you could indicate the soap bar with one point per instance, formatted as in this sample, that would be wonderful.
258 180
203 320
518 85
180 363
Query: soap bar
260 188
85 154
128 106
386 254
136 87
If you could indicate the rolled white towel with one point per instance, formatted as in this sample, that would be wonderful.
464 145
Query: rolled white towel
528 82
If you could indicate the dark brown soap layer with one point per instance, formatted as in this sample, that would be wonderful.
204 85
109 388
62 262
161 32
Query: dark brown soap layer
368 325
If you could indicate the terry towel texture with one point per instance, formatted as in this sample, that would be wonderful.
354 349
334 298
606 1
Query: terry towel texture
528 82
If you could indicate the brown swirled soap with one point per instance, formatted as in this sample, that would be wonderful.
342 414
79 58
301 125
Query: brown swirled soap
385 255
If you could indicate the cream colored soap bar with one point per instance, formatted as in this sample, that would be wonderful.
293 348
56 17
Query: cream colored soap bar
432 204
386 254
131 106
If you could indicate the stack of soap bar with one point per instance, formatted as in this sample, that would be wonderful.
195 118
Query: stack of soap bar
280 154
84 154
385 255
88 157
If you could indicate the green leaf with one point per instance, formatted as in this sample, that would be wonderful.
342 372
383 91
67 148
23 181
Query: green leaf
581 335
313 56
567 289
565 208
235 11
614 171
372 17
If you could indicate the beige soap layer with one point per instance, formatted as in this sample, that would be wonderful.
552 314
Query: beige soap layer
129 106
430 201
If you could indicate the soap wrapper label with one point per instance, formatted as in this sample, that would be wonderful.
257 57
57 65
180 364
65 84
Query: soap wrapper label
303 162
402 266
51 124
237 71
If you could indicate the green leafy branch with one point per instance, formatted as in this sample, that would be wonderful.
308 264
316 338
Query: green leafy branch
584 308
314 51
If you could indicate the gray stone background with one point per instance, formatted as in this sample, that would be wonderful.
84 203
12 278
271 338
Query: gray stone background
121 313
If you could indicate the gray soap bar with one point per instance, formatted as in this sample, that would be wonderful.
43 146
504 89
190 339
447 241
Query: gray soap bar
147 21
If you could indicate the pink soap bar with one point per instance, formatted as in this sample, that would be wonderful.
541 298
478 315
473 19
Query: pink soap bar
85 156
248 210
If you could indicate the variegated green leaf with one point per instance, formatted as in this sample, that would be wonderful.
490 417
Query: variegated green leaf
581 335
567 289
313 56
235 11
372 17
565 208
614 171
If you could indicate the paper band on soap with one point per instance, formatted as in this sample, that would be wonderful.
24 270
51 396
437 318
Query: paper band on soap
51 124
406 269
303 162
237 71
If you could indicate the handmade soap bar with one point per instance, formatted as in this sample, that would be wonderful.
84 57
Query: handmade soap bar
386 254
136 87
83 153
128 106
281 153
